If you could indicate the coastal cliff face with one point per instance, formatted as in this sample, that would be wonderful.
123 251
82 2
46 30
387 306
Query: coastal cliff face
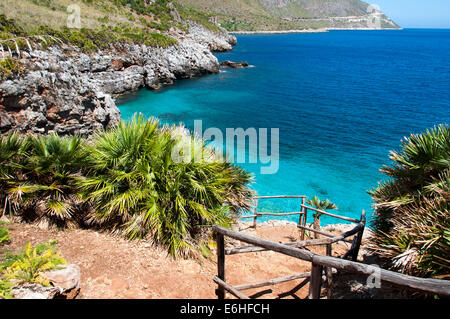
66 91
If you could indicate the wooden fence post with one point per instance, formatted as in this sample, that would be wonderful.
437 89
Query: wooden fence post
329 272
256 214
315 284
359 237
305 216
316 225
302 210
220 292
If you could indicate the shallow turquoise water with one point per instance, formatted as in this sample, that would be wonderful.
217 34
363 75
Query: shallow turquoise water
342 100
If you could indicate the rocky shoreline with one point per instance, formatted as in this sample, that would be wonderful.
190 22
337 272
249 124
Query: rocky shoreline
66 91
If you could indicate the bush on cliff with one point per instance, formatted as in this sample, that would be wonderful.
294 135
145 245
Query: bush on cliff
125 180
10 67
91 40
411 220
9 27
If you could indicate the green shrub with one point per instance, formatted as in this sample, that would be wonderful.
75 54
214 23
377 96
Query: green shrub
136 188
10 67
40 185
5 289
4 234
13 151
123 179
28 266
9 27
89 40
411 220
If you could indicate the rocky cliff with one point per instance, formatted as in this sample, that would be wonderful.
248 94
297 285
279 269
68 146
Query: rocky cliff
66 91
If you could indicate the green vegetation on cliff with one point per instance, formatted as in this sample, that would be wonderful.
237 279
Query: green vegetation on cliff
9 67
101 23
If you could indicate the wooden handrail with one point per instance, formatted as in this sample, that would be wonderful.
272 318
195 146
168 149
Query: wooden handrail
281 248
435 286
330 214
279 214
273 281
306 243
302 214
280 196
322 233
229 288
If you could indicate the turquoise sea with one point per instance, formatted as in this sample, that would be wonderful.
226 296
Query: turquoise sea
341 100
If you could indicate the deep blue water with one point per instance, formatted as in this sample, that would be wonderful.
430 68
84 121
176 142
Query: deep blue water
342 100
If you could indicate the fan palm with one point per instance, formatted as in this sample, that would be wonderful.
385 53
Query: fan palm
136 188
411 221
13 150
322 205
45 186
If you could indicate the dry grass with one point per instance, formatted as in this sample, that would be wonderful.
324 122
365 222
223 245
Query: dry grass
29 15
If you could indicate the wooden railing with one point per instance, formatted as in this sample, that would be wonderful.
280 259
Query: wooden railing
318 265
303 215
257 214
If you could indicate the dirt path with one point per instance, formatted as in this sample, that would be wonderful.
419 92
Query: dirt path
113 267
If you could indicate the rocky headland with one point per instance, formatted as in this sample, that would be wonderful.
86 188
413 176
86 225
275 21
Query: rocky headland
64 90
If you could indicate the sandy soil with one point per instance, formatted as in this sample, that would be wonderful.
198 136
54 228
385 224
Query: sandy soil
114 267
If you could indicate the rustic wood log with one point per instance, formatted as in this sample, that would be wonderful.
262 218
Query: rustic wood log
255 220
300 244
359 237
302 210
316 225
230 288
220 292
302 237
329 273
349 219
251 216
281 248
323 233
279 214
435 286
272 282
356 243
315 283
279 196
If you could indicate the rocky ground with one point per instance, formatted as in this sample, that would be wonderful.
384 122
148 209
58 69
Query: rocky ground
113 267
66 91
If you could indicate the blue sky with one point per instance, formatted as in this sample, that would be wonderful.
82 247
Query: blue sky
416 13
